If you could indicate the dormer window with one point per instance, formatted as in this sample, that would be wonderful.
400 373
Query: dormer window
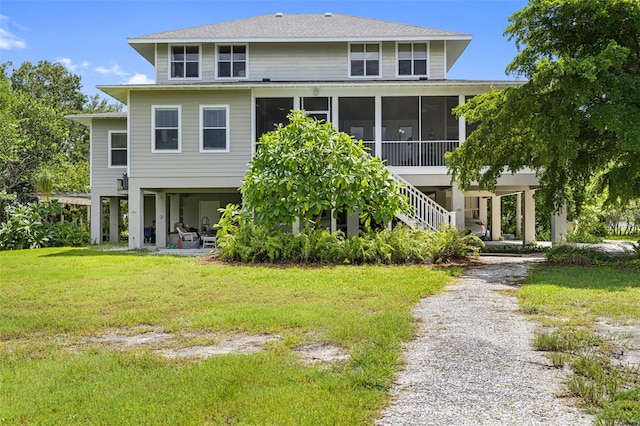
184 61
364 60
412 59
232 61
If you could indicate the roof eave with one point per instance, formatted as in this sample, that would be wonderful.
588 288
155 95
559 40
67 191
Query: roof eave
142 40
120 92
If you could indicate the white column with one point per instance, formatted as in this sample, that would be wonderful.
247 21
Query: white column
161 219
114 219
457 205
96 219
559 226
334 221
496 218
378 126
462 124
519 215
136 216
529 231
483 211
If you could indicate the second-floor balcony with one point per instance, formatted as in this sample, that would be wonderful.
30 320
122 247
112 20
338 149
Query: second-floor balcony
412 153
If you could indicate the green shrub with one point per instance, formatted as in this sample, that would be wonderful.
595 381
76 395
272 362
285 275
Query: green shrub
23 228
581 236
449 243
573 255
67 234
239 239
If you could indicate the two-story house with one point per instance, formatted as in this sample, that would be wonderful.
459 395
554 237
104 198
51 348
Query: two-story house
181 149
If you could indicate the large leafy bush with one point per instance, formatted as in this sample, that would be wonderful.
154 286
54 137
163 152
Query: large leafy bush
35 225
308 167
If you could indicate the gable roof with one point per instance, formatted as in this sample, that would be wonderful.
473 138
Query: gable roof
282 27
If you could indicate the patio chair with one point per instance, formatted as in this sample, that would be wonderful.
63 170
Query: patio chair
186 235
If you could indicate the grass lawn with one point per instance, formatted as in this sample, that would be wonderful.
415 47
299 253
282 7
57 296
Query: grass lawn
58 308
574 302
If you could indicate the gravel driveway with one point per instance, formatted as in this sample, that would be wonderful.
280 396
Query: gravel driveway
472 363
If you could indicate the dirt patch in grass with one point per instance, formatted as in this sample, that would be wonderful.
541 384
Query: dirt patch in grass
321 352
234 345
176 345
626 338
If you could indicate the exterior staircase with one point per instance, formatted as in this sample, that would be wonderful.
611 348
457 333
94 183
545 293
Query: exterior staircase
426 214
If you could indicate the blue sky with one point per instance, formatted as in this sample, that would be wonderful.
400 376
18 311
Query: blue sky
90 36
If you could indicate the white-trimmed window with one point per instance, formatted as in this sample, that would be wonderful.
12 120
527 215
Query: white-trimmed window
214 128
166 129
184 61
118 147
231 61
412 59
364 60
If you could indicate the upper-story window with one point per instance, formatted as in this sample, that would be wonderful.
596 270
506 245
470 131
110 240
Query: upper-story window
412 59
117 149
232 61
184 61
214 126
364 60
166 129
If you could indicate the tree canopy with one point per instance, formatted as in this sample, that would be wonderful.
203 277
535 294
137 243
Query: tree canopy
576 119
307 167
36 138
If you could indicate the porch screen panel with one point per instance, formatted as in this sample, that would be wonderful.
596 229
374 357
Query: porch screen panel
357 117
400 118
438 122
270 112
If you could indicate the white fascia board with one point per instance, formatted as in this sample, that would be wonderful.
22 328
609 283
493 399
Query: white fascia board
462 37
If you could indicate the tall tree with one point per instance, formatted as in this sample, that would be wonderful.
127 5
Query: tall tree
577 116
36 136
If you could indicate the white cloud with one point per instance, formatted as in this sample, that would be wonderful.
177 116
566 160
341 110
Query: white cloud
113 70
8 40
68 63
139 79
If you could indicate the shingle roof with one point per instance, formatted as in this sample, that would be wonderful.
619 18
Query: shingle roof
301 27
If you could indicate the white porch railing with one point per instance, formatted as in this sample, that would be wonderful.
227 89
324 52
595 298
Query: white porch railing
427 214
416 153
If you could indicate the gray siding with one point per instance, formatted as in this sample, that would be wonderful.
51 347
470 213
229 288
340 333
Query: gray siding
101 175
388 65
162 63
436 63
297 62
190 163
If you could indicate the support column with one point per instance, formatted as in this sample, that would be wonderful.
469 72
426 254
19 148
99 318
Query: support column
496 218
161 219
96 219
136 217
529 231
559 226
333 220
483 211
519 215
378 126
457 205
114 219
353 224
